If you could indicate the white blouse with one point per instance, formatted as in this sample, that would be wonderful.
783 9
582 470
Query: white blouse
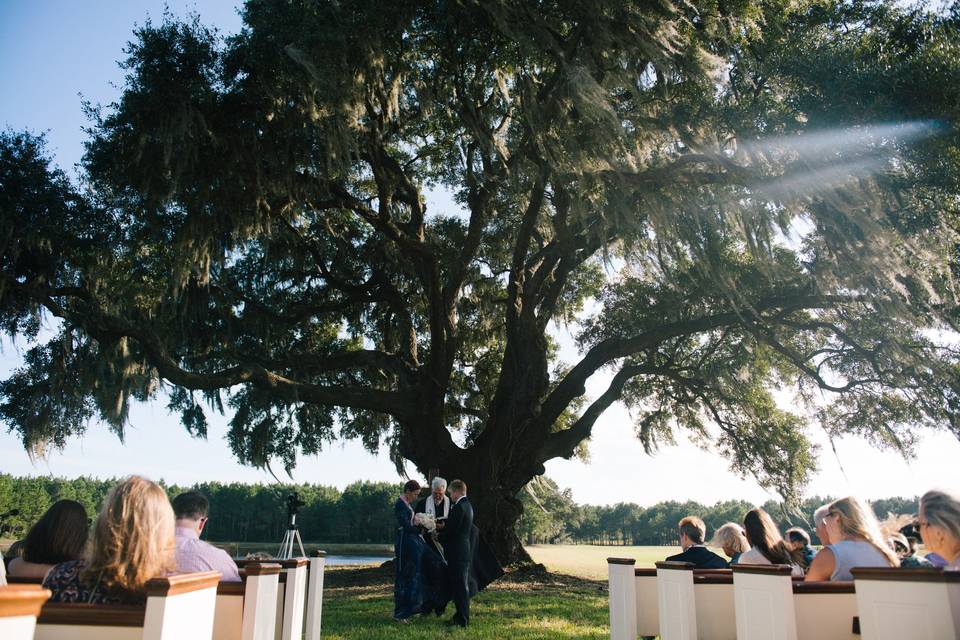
753 556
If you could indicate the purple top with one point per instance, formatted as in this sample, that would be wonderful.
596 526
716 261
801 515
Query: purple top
936 560
193 555
67 586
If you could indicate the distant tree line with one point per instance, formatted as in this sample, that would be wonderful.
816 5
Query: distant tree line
363 511
551 516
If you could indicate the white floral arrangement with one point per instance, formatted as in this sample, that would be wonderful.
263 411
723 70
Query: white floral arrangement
425 520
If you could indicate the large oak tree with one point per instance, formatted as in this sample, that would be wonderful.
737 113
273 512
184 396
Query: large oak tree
720 199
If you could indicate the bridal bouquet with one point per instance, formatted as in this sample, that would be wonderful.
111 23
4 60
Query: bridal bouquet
425 520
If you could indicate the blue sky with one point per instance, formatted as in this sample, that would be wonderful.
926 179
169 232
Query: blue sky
53 51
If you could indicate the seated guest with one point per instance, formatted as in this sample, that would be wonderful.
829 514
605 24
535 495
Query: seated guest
906 550
132 543
732 540
191 510
940 525
60 535
767 547
692 534
936 560
799 540
821 530
855 541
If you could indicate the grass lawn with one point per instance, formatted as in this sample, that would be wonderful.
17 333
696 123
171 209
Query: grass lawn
524 605
589 561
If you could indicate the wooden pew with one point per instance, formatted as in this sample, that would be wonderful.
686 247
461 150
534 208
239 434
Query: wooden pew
825 610
623 596
179 607
693 606
19 606
634 597
247 610
291 599
771 605
315 573
921 604
309 613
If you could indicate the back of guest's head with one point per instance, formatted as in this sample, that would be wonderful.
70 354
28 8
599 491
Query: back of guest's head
694 528
133 537
821 513
458 486
857 520
942 509
731 539
60 534
763 535
797 535
191 505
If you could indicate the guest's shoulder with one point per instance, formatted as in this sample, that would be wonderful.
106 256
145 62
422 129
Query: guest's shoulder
677 557
64 572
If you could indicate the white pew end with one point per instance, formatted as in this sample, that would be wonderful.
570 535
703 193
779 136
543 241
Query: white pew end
676 601
763 596
311 629
251 602
291 598
19 607
921 604
622 599
179 607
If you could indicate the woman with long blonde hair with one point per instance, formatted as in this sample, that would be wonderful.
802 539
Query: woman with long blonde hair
856 541
133 541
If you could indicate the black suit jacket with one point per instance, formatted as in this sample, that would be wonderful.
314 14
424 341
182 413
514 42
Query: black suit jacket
457 533
701 557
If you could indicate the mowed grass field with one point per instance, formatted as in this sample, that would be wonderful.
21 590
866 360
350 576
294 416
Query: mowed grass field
524 605
588 561
567 601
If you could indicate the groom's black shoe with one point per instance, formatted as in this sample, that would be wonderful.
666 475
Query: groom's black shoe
456 621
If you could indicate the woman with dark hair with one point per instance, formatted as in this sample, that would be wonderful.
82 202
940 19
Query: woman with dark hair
408 554
60 535
767 545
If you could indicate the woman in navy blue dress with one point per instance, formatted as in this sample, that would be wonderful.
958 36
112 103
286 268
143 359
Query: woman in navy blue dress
408 552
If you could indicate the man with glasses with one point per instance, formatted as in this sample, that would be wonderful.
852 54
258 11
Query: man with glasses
191 509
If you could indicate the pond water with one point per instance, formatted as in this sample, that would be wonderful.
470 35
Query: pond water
339 560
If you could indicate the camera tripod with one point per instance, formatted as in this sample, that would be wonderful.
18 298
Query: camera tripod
291 538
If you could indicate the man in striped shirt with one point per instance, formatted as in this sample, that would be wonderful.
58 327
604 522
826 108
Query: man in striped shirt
191 509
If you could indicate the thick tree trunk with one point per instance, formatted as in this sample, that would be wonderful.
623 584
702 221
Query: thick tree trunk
497 516
497 509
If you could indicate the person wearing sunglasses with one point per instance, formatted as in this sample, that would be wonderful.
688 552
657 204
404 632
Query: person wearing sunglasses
939 525
855 541
193 554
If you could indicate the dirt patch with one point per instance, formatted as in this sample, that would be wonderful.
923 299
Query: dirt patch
375 581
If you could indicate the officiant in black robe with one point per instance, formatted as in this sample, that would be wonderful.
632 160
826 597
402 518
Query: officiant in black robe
433 564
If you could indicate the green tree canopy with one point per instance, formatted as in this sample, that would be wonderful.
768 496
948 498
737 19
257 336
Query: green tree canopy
759 195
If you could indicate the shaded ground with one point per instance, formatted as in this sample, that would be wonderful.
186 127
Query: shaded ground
526 604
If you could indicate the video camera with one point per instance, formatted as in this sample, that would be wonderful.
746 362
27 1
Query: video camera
293 504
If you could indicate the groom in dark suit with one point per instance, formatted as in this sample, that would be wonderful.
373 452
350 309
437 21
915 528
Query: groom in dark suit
456 538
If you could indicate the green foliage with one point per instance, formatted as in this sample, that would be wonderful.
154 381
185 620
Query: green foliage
762 197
